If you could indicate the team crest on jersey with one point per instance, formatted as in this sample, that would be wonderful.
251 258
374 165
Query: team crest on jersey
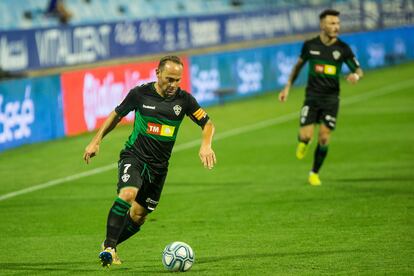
336 54
125 177
177 109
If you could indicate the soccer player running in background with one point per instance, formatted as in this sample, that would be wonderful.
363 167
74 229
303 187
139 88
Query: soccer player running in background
325 54
142 168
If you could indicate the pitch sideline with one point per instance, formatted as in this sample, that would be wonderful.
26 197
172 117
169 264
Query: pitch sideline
233 132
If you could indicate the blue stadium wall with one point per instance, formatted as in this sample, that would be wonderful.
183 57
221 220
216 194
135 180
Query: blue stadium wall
31 110
257 70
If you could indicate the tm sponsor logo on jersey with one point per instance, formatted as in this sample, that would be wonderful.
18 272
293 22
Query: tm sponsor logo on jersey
161 130
316 53
325 69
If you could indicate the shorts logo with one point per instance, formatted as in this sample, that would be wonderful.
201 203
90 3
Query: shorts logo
330 120
161 130
125 177
325 69
336 54
177 109
151 204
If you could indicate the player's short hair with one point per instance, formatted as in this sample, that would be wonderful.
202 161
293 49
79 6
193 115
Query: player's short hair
327 12
164 60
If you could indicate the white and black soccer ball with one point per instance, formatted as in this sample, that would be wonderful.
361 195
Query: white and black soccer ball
178 256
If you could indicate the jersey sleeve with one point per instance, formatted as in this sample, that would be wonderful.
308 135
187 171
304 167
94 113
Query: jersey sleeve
129 103
350 59
195 112
304 53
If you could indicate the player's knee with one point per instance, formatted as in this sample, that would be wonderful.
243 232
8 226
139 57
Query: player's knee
324 140
305 138
128 195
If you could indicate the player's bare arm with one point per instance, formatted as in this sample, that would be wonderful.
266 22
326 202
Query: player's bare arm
283 95
207 155
93 148
353 78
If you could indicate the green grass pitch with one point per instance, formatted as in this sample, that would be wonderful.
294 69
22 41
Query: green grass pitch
253 214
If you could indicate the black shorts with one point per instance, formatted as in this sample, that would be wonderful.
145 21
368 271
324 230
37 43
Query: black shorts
133 172
319 110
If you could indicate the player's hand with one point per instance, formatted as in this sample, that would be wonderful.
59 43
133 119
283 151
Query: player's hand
208 157
283 95
90 151
352 78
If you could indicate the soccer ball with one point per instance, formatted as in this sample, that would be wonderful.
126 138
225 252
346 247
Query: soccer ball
178 256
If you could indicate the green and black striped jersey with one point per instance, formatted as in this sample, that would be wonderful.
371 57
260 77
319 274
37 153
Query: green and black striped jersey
325 63
157 120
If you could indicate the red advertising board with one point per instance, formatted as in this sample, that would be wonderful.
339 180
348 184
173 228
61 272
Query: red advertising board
90 95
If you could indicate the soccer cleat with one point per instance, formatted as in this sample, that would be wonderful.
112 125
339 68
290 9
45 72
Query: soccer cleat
301 150
314 179
106 256
115 258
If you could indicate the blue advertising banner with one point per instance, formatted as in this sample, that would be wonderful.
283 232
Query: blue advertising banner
83 44
248 72
30 111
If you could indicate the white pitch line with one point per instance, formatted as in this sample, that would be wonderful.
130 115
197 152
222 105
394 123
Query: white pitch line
230 133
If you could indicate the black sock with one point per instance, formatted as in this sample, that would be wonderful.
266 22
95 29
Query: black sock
130 229
116 221
320 154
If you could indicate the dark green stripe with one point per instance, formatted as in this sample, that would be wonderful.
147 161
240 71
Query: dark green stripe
137 129
117 212
123 202
350 64
120 209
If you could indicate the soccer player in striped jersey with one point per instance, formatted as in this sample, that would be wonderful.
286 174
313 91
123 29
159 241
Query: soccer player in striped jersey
159 110
325 53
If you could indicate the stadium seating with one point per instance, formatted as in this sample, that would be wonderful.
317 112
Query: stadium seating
31 13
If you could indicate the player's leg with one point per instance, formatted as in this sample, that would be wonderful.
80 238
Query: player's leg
115 223
304 137
145 202
135 218
308 118
129 183
321 152
328 119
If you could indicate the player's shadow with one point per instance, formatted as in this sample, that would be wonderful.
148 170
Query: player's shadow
49 267
274 255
